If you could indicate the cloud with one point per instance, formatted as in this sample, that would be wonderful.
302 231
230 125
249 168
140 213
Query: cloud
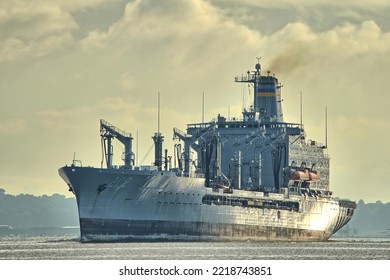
299 45
338 67
309 3
76 5
33 29
168 48
169 22
30 20
58 82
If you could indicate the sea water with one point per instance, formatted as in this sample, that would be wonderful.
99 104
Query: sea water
68 247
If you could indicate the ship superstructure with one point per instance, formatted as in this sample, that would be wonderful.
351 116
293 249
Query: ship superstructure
256 177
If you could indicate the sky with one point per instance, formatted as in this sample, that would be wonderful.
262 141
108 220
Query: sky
66 64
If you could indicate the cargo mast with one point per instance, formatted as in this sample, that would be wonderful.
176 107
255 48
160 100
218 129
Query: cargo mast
158 140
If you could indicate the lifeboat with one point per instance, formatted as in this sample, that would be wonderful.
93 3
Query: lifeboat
300 175
305 175
314 176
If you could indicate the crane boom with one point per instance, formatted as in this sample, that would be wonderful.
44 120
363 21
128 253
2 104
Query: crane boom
107 132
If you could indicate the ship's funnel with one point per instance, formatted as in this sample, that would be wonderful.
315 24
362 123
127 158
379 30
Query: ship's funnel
267 99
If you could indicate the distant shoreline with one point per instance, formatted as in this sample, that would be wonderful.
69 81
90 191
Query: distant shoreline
38 231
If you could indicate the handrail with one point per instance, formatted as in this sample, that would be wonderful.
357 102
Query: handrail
115 129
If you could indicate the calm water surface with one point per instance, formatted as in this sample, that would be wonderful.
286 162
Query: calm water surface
68 247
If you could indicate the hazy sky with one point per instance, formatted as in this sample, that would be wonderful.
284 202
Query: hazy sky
66 64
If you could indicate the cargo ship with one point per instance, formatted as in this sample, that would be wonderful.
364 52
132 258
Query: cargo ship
256 178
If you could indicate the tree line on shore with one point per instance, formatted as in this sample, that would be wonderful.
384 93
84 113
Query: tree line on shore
26 210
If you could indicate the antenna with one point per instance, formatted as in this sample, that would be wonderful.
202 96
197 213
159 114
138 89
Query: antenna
203 107
301 108
137 150
158 113
326 126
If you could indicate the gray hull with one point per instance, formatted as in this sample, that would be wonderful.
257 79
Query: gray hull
120 204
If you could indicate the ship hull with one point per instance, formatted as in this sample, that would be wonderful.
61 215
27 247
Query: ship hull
137 230
130 205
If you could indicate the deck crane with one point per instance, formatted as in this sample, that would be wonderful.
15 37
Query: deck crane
107 132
